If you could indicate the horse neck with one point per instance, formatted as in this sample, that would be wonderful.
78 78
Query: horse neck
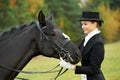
19 50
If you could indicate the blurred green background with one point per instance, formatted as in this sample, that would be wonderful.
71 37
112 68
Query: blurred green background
14 13
66 13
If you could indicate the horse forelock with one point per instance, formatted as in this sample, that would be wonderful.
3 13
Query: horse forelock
49 24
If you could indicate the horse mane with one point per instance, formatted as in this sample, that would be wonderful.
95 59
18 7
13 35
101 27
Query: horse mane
13 31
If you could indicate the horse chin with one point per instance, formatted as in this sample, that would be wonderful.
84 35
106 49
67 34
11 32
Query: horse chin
73 61
56 56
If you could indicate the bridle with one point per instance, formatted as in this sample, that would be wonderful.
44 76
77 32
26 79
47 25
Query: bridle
60 49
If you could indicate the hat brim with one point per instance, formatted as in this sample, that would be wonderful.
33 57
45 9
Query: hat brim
85 19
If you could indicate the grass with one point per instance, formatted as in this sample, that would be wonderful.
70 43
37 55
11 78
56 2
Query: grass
110 66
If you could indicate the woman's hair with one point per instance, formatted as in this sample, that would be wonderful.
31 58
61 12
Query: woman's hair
99 24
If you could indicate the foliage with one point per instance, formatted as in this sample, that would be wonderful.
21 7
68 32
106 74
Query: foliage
114 4
22 7
111 24
4 10
13 15
34 4
65 13
92 4
66 16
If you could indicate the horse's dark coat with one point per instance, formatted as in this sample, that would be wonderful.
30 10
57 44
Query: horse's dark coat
19 45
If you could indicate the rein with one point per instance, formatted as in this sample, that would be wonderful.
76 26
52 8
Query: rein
30 72
60 49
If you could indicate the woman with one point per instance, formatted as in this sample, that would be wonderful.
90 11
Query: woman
91 47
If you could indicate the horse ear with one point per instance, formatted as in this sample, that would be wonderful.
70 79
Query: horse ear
41 18
50 16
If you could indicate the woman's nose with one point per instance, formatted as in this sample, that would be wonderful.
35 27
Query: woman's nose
82 26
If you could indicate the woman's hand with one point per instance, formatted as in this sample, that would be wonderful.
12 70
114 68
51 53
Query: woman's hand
65 64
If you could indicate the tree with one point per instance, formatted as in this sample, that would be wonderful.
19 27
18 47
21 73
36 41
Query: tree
114 4
90 4
66 13
3 13
13 13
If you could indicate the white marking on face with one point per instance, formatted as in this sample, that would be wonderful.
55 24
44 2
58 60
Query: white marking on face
66 36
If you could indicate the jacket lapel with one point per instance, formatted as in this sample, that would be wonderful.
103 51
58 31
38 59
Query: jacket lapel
81 47
89 44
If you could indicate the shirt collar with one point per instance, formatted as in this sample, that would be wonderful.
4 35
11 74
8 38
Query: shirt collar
96 31
91 34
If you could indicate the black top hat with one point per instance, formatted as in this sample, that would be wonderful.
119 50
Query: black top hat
90 16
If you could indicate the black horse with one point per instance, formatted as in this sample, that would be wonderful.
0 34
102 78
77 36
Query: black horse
19 45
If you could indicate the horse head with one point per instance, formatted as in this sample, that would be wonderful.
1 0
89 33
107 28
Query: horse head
54 42
19 45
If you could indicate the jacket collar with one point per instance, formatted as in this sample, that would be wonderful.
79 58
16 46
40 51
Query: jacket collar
90 35
90 43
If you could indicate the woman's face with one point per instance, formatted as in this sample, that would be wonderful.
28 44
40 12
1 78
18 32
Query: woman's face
88 26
